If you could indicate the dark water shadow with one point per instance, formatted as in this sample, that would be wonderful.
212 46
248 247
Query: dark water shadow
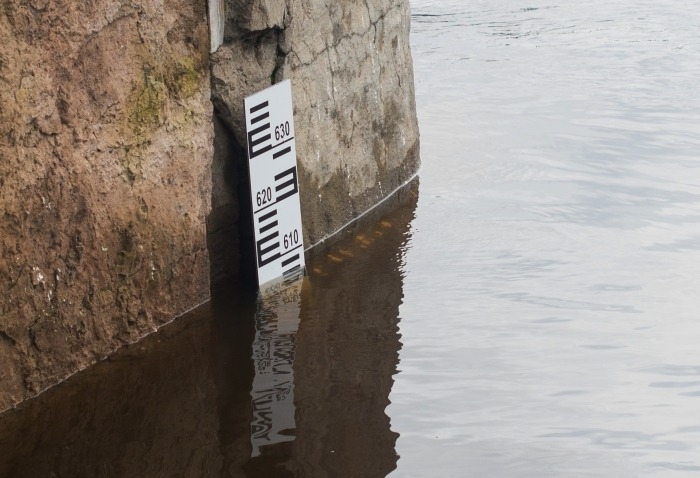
182 401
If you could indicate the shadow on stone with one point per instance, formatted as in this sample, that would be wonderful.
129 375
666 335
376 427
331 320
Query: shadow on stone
229 225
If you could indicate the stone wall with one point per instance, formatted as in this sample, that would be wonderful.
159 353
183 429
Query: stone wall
105 179
109 145
354 109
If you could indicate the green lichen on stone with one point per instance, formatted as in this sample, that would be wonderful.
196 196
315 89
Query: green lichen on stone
184 78
146 108
146 103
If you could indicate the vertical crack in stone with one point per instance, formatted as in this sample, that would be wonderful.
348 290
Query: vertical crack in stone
251 58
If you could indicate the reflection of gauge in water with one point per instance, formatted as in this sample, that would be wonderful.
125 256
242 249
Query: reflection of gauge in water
272 394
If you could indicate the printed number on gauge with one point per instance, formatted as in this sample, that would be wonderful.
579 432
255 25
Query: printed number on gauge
291 239
282 131
264 196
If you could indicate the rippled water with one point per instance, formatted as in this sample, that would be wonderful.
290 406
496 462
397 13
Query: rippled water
550 323
531 313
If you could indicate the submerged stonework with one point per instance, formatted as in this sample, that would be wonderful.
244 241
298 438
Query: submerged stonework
109 145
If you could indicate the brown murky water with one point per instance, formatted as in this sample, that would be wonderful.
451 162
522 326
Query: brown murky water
239 387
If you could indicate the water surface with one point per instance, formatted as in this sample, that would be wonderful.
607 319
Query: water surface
532 313
550 319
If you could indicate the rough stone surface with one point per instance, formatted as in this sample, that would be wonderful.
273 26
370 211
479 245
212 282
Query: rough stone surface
352 78
106 141
108 149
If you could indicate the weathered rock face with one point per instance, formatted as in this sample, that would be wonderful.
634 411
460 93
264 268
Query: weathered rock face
106 140
108 147
352 79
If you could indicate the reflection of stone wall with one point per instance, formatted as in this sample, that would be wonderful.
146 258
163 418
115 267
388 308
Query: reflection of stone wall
347 350
150 411
175 404
178 403
105 152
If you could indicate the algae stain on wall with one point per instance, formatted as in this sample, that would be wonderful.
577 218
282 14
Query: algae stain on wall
146 104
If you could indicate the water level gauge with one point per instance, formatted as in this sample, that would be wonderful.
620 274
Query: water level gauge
274 184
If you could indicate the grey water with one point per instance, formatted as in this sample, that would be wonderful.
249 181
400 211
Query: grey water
530 309
551 314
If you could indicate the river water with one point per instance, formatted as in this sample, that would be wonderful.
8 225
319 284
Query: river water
528 310
550 321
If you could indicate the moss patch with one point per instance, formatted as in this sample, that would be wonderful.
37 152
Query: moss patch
184 78
146 104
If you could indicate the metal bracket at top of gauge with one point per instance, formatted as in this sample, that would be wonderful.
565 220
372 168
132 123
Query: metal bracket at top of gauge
274 184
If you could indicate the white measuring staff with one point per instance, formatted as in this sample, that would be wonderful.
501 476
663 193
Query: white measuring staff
274 185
